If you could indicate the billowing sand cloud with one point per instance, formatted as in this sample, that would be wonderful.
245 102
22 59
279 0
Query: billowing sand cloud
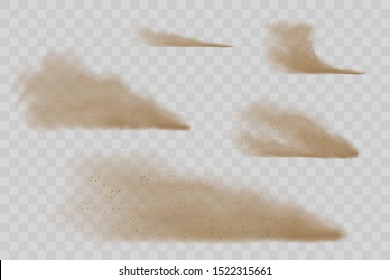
291 48
131 200
63 93
160 39
267 130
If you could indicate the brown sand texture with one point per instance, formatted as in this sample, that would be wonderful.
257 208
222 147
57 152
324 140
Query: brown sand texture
270 131
161 39
291 49
133 200
63 93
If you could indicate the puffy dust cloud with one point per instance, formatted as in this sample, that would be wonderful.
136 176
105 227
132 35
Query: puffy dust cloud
271 131
291 48
131 199
63 93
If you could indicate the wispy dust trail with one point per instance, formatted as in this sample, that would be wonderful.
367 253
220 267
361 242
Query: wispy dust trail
132 200
291 48
161 39
269 130
63 93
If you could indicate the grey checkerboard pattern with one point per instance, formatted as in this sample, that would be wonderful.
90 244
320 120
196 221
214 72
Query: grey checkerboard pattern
207 86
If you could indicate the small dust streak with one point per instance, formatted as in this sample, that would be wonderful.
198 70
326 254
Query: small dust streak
64 94
270 131
161 39
132 200
291 49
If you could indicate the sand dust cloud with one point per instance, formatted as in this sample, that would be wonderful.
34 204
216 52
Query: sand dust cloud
269 130
291 48
131 199
162 39
63 93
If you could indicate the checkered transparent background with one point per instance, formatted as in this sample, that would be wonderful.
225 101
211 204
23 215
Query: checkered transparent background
207 86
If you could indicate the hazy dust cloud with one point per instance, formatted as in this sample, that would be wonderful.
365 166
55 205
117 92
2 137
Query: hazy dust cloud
291 48
162 39
134 200
63 93
269 130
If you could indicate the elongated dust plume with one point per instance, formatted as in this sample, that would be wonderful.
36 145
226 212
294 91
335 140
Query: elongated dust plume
268 130
63 93
291 48
161 39
131 200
